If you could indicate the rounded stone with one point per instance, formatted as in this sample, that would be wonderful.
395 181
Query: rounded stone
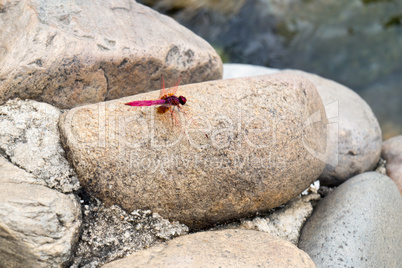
71 53
392 153
39 227
243 146
228 248
237 70
354 134
356 225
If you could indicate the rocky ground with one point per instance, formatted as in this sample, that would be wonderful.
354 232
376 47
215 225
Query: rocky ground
281 169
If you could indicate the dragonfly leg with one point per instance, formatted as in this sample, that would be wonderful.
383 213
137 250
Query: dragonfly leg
175 120
174 116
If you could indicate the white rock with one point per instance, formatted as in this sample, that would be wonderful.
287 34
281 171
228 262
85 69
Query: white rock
30 138
236 70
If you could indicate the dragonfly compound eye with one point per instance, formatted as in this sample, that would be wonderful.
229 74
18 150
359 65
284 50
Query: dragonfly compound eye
182 100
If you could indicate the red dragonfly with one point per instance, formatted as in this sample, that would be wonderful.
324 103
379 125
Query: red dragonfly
167 101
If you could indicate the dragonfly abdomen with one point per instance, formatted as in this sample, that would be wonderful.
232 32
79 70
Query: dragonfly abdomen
146 102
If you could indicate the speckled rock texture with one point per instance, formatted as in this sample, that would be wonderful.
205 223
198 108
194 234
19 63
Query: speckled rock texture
356 225
39 227
109 233
354 135
69 53
392 153
261 138
228 248
30 139
285 222
355 139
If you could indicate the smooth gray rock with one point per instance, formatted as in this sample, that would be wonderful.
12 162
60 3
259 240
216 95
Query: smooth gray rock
357 225
39 227
236 70
30 139
227 248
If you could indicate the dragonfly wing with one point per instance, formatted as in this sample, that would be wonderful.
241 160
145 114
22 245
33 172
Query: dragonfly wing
163 90
169 91
174 90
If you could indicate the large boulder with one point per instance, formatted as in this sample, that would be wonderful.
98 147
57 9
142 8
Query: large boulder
73 52
251 144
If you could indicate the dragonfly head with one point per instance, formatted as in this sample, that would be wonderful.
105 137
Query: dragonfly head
182 100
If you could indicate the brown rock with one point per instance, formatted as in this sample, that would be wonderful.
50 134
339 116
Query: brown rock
228 248
355 140
69 53
262 135
392 153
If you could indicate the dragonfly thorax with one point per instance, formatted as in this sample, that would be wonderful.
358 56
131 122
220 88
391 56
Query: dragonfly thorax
173 100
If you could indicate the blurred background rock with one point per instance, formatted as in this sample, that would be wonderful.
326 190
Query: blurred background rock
355 42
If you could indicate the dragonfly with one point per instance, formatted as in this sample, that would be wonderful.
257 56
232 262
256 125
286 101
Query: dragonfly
168 101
